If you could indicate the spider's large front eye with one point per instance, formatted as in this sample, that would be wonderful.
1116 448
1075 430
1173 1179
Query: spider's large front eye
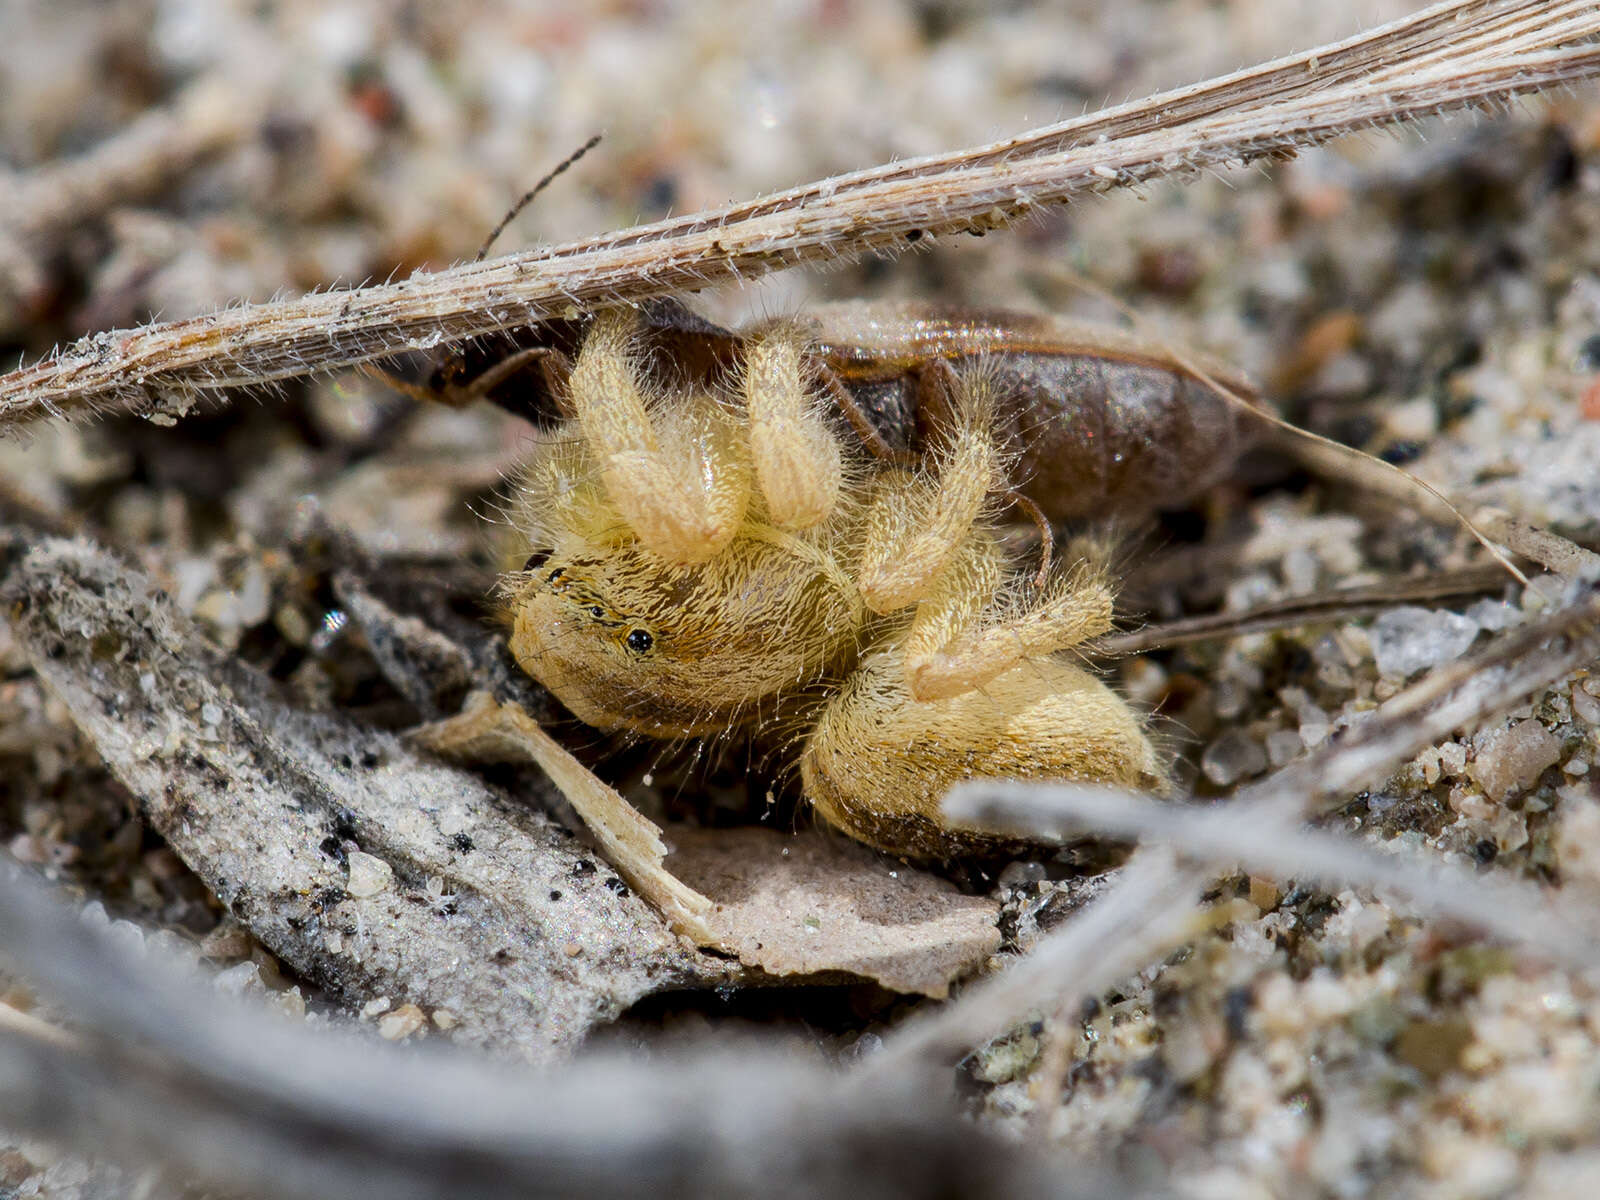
536 560
639 641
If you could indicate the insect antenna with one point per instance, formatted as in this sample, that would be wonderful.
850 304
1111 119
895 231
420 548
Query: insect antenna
527 197
454 393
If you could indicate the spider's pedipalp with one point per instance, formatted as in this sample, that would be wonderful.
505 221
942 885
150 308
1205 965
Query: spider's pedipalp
797 458
681 484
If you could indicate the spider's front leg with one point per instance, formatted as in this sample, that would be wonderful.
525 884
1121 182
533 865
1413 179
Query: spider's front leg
678 475
923 546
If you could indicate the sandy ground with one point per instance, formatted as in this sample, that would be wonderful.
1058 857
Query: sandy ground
1431 296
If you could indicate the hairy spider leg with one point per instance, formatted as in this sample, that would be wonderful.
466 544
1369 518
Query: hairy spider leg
917 521
797 458
924 546
966 632
676 472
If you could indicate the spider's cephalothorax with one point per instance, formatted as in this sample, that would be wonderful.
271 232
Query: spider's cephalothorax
692 563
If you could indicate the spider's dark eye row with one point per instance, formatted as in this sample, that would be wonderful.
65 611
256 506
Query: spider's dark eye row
536 560
639 641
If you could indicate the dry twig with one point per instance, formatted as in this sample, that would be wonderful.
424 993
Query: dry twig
162 1068
1514 912
1455 54
1337 604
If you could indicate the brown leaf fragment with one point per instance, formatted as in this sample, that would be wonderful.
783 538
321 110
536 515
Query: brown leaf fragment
812 904
370 869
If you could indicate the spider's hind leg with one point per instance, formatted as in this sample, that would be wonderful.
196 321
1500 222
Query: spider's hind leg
878 762
966 633
970 686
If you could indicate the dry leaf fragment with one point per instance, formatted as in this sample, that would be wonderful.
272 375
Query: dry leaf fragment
293 818
816 904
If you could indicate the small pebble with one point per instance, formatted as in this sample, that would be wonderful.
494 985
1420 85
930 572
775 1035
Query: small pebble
864 1046
1415 420
403 1022
1228 699
1585 707
1232 757
1314 725
293 625
1510 760
369 875
1264 893
1283 745
1543 593
1021 873
1495 615
1408 640
226 941
1428 763
237 981
1300 571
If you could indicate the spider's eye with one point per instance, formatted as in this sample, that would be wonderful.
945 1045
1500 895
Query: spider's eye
639 641
536 560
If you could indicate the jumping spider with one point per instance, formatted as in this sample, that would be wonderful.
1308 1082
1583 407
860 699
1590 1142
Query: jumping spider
800 539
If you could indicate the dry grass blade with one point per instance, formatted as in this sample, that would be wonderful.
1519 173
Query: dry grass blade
1514 912
1452 55
1339 604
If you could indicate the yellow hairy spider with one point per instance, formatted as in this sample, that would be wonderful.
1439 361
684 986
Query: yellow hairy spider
686 558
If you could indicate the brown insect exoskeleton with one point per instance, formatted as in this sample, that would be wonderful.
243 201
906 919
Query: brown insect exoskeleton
794 531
